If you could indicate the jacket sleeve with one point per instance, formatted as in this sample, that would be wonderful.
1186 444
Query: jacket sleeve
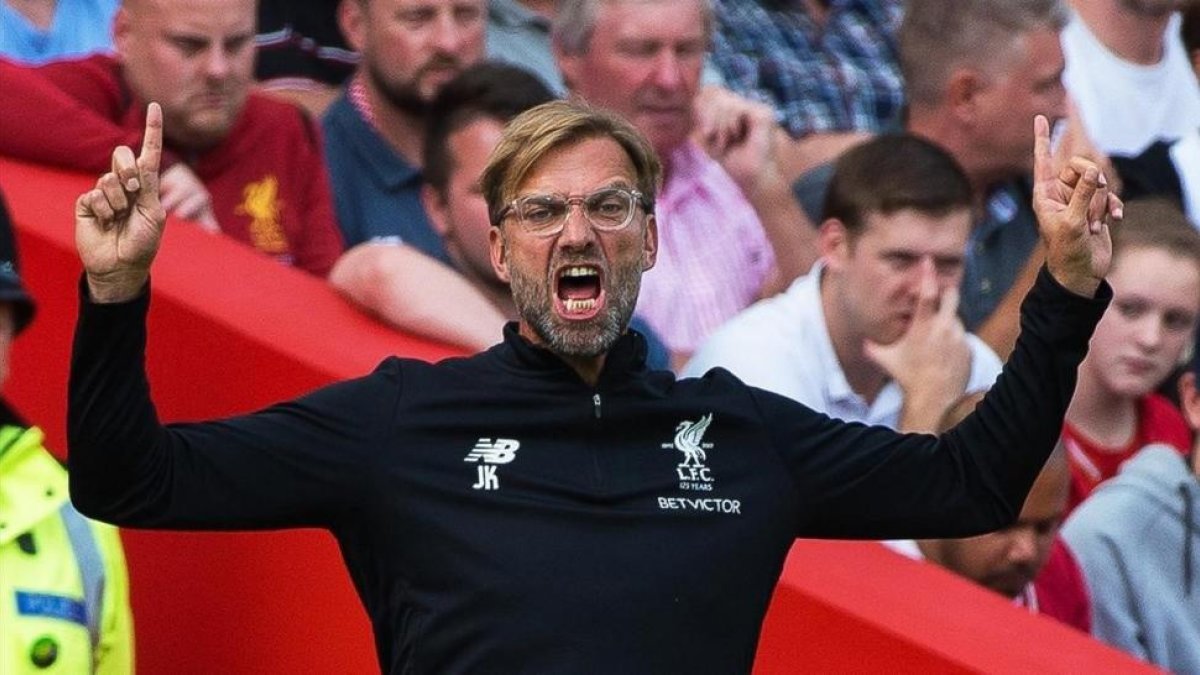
866 482
297 464
65 114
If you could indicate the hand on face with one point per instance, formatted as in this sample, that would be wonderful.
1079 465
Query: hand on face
932 360
1073 207
119 223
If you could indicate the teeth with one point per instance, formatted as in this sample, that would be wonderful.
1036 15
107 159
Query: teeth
579 272
574 306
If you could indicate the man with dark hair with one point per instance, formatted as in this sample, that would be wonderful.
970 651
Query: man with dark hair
871 333
551 505
975 73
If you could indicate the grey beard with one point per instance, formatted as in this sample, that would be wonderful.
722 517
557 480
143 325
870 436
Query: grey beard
534 305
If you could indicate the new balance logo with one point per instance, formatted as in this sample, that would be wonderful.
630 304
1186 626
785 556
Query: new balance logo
488 453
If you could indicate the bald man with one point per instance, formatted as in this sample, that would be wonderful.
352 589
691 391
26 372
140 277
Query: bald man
234 162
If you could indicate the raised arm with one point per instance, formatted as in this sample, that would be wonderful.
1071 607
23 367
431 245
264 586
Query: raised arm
295 464
870 482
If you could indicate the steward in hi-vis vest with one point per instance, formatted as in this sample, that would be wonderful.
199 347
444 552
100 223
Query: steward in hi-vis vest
64 591
65 605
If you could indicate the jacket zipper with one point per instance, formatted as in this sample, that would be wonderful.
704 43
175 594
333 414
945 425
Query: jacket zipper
599 474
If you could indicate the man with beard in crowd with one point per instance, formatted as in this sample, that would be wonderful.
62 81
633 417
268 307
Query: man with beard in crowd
551 505
374 131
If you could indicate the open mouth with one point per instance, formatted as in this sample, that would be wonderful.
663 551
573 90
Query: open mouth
579 292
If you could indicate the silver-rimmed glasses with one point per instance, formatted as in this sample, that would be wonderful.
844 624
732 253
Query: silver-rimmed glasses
545 215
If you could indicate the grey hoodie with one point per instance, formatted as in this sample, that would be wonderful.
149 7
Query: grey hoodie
1137 538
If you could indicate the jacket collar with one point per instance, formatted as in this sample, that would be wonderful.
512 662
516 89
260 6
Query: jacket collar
625 359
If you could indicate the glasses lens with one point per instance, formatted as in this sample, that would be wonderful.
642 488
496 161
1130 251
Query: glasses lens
609 209
540 213
605 209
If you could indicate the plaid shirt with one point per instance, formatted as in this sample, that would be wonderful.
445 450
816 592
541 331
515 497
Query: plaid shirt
840 76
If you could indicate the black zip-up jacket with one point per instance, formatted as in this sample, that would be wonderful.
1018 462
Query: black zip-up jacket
497 514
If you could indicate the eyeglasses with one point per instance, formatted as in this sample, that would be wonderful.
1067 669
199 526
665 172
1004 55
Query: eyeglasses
545 215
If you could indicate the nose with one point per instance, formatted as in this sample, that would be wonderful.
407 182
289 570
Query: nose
1149 333
668 72
216 63
577 232
447 34
925 269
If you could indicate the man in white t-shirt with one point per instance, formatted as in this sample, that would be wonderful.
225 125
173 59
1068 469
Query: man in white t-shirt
1128 73
871 334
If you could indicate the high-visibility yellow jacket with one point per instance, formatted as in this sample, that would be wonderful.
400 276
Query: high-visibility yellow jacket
64 591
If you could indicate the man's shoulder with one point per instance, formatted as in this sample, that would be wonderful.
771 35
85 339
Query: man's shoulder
267 116
768 343
985 365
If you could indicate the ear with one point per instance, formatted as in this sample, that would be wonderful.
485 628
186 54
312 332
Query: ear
122 24
569 65
650 243
435 207
496 246
964 88
351 18
833 240
1189 399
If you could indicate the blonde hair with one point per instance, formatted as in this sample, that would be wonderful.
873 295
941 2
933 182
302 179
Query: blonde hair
536 132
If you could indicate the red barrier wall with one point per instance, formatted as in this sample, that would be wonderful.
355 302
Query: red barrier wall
233 331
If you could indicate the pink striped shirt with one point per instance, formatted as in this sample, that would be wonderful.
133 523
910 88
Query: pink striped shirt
713 256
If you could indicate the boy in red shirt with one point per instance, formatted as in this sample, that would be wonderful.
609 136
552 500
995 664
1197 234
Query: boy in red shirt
1155 277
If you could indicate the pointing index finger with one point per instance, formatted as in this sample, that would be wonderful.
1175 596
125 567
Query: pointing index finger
152 143
948 308
927 295
1043 168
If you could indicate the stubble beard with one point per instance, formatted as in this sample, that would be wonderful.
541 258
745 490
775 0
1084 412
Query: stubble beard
1152 9
403 96
577 339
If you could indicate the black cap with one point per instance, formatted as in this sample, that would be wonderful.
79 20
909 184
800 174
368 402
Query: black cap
11 289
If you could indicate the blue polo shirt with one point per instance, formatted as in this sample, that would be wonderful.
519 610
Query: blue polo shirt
376 193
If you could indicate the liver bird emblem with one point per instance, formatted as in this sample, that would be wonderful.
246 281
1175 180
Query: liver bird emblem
688 437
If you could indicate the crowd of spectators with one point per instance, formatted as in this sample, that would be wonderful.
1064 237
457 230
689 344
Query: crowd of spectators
845 217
